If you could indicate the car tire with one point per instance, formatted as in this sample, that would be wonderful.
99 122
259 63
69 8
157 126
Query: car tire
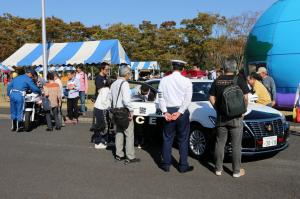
27 121
199 141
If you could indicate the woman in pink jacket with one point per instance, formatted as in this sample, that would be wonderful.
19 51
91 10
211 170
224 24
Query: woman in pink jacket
84 85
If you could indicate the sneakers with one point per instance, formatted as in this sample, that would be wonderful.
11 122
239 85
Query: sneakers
240 174
129 161
100 146
218 173
118 158
235 175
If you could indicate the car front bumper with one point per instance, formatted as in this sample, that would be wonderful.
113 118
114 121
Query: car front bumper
254 152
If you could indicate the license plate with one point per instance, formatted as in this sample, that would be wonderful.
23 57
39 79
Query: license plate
269 141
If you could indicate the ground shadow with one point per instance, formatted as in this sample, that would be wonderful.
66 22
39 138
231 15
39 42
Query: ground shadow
294 133
154 151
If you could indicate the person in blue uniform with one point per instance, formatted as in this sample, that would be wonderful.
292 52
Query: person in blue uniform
16 91
175 95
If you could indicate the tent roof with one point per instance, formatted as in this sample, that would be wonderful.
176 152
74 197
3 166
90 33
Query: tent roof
5 68
150 65
88 52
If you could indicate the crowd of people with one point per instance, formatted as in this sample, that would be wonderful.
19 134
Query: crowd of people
51 94
263 86
113 105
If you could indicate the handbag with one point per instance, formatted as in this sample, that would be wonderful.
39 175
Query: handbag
120 116
46 104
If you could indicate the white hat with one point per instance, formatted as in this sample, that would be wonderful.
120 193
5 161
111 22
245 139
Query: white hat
180 62
262 70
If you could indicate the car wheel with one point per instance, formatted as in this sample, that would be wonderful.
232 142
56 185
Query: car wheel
27 121
198 142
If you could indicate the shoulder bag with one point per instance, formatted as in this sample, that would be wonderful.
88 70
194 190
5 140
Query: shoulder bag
120 116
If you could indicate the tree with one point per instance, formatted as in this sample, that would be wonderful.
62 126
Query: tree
205 40
238 29
128 35
197 33
169 44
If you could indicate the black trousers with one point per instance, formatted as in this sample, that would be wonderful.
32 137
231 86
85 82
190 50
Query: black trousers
181 128
72 108
101 126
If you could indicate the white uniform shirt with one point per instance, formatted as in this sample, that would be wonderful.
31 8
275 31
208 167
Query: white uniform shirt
102 101
175 90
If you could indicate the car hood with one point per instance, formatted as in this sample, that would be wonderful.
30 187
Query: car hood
257 111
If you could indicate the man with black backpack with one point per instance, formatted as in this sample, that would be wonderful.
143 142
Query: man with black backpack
229 96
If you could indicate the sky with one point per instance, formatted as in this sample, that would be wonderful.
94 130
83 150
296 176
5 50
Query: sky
107 12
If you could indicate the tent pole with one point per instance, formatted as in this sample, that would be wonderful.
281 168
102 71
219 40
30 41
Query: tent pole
45 61
92 72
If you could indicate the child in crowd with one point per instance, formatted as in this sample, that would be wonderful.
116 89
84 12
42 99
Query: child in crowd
72 98
53 93
58 81
100 110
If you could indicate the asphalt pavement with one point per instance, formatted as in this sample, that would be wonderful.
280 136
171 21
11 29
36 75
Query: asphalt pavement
63 164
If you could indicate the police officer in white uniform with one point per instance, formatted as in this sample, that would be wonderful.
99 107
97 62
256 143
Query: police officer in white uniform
175 95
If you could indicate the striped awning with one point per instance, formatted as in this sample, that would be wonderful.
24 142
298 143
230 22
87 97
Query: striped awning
6 68
89 52
152 65
56 68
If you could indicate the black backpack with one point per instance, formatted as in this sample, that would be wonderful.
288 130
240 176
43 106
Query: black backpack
233 104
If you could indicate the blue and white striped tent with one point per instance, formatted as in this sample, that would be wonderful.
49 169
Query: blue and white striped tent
56 68
152 65
6 68
60 69
39 69
89 52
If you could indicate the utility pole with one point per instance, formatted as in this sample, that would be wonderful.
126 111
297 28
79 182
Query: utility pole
45 58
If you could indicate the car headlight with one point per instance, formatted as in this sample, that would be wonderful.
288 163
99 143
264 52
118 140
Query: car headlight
283 118
213 120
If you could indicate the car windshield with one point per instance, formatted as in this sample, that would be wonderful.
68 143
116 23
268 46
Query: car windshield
201 91
153 83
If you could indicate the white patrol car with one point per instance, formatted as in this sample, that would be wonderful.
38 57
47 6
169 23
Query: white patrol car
265 129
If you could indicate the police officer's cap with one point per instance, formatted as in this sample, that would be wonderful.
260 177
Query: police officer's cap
178 64
32 72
